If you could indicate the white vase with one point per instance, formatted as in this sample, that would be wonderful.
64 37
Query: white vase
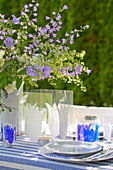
53 119
63 120
33 121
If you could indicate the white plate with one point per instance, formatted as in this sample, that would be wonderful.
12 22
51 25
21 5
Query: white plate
73 159
73 147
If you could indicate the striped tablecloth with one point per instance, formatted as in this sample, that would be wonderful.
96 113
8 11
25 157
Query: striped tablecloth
24 155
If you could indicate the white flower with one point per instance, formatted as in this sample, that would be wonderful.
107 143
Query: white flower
1 58
23 58
10 87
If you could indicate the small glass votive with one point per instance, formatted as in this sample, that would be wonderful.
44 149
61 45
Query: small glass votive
44 140
87 132
8 134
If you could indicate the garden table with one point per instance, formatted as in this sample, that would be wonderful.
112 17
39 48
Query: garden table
24 155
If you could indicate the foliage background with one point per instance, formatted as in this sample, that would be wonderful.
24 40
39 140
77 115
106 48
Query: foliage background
97 42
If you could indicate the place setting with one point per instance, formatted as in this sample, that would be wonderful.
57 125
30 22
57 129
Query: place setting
76 151
85 148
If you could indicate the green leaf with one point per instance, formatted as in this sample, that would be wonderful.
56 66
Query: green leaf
2 80
18 83
22 71
6 64
32 83
2 74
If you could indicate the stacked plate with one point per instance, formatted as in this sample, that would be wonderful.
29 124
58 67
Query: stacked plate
75 151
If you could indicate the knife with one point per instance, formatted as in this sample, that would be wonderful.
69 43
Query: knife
101 154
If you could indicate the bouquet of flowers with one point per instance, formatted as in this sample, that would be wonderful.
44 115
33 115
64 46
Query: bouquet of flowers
29 53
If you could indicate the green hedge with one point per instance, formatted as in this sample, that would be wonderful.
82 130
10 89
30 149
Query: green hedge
97 41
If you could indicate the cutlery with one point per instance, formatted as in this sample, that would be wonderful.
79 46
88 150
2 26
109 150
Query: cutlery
100 154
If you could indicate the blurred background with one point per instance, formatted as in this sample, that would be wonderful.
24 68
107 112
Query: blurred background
96 41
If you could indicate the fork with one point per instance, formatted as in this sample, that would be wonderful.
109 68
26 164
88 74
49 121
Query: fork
99 154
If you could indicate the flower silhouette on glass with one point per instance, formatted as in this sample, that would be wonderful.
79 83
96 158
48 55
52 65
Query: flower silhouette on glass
9 133
87 133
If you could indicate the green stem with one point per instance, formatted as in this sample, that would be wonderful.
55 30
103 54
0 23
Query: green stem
3 106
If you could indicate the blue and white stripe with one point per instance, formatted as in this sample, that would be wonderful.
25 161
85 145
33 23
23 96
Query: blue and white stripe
24 155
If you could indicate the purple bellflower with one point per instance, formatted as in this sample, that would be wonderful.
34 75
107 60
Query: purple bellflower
58 17
46 71
88 72
65 7
15 20
78 69
8 41
31 72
